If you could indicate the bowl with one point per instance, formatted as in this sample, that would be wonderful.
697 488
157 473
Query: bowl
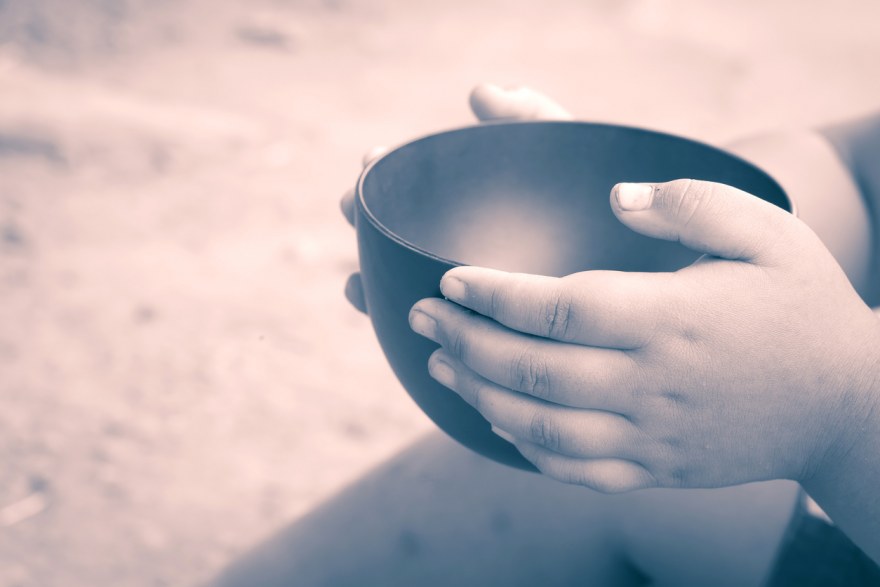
530 197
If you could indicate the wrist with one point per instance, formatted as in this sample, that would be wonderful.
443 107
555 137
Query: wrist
845 476
853 423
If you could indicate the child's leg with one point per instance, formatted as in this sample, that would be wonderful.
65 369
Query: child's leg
440 515
437 514
719 537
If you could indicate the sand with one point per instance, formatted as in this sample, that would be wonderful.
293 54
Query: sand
180 374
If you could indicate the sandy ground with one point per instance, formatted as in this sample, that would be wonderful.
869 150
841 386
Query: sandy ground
179 372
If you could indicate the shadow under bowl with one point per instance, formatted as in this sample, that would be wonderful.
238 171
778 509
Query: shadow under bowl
530 197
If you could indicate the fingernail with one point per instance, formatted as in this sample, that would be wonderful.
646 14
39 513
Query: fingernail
453 288
441 371
633 197
505 435
423 324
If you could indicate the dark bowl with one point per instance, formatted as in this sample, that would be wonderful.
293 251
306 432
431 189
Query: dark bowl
521 196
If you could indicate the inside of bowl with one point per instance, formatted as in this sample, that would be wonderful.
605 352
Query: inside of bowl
534 197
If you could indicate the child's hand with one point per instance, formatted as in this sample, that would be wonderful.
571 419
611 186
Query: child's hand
759 361
488 102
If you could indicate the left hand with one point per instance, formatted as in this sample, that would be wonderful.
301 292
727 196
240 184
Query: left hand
488 102
758 361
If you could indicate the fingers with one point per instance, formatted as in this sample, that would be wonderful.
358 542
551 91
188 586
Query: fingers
707 217
347 206
569 431
607 475
354 288
597 308
560 373
347 202
491 102
354 292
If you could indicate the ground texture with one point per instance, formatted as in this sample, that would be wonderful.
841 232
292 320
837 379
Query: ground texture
179 372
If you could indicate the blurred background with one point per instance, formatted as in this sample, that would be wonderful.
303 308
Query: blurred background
180 375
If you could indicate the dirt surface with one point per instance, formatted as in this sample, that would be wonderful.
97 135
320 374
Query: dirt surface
179 372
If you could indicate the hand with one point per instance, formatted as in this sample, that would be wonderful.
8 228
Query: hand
488 102
826 194
756 362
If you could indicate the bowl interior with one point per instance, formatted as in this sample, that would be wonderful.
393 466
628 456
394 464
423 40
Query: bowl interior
529 197
533 197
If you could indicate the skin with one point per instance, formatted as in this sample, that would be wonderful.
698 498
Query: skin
438 514
759 361
734 531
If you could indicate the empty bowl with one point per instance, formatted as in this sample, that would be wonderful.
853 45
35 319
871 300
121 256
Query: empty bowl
530 197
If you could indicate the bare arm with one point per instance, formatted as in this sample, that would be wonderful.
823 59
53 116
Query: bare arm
779 307
858 145
833 175
849 488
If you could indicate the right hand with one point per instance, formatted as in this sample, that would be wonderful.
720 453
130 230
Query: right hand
488 102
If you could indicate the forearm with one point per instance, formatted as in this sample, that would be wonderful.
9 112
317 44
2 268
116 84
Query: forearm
833 176
847 485
857 143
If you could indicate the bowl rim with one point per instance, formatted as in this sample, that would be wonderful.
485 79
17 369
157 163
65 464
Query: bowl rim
368 214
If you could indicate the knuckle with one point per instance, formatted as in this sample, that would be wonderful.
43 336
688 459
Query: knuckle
679 477
683 198
456 342
530 374
472 391
497 303
642 384
476 393
574 475
639 393
675 476
663 464
673 443
558 315
544 430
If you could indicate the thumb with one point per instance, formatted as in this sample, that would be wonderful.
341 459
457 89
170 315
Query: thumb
491 102
707 217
